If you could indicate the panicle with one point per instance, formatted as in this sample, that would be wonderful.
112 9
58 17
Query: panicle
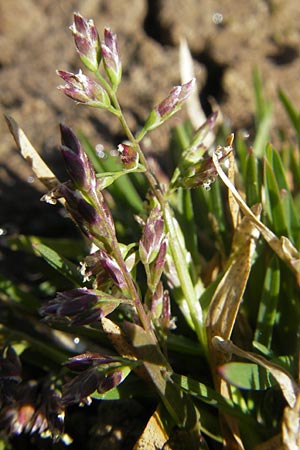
97 373
152 237
87 41
76 161
129 156
169 106
84 90
111 58
80 306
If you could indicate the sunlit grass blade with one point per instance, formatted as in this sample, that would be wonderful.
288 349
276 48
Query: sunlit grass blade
247 376
242 153
273 204
70 248
59 263
268 304
217 206
187 223
252 182
291 111
292 218
209 396
295 166
263 116
281 206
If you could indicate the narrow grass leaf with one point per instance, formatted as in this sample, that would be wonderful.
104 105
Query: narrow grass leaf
268 304
274 206
287 384
291 215
263 116
252 184
242 152
187 223
247 376
59 263
70 248
293 115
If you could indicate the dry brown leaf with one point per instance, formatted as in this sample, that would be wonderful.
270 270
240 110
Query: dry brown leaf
117 338
39 167
154 435
291 426
227 298
233 205
282 247
223 311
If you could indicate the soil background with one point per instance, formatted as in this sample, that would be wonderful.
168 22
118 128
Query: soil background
227 38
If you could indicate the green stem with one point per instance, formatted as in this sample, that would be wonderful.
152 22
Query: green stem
174 242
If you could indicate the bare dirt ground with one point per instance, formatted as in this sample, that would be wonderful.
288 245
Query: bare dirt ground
227 39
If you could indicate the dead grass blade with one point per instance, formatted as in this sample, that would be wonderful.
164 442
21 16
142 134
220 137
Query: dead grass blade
227 298
282 246
154 435
223 311
39 167
287 384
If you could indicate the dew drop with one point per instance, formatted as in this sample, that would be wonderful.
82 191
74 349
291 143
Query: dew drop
217 18
100 151
30 179
3 232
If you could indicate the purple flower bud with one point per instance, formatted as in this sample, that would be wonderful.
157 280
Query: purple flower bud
86 360
169 106
161 309
88 317
80 306
87 41
110 381
158 265
81 387
113 270
152 237
76 161
95 224
111 58
203 173
10 365
84 214
167 321
82 89
129 156
97 372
